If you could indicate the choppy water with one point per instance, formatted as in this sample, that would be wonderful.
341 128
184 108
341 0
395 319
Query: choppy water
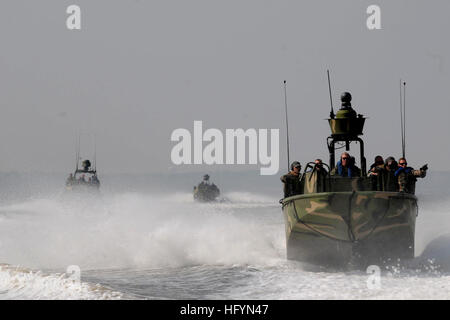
158 245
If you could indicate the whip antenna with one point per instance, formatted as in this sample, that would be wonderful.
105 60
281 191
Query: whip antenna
77 153
403 115
95 153
331 97
404 119
287 123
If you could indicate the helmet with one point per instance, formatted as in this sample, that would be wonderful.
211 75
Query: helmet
378 160
86 164
389 159
346 97
295 164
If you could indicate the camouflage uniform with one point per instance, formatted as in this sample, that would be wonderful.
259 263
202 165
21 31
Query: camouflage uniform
407 179
390 181
377 175
292 184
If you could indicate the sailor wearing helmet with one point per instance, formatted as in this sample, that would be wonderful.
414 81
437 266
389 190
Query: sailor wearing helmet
291 180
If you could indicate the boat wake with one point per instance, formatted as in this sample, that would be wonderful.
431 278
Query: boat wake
20 283
242 240
136 230
437 252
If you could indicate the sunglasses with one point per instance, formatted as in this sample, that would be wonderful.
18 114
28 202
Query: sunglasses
345 158
403 163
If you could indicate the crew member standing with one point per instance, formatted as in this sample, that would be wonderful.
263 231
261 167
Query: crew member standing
291 180
407 176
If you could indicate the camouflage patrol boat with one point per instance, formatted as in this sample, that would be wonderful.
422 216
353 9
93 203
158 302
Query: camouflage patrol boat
206 191
338 219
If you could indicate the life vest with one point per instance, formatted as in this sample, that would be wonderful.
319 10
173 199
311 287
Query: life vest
340 169
406 170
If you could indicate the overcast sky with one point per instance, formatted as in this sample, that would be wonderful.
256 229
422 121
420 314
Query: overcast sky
137 70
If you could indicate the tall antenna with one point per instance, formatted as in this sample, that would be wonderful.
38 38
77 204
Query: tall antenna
404 119
331 97
403 116
77 153
95 153
287 123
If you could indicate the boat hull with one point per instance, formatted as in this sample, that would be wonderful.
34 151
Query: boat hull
208 193
332 228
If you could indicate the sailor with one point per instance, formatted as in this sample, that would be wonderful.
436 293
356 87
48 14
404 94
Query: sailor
321 175
214 189
378 163
204 184
377 167
205 181
319 166
376 173
346 167
390 181
346 110
95 180
86 165
407 176
291 180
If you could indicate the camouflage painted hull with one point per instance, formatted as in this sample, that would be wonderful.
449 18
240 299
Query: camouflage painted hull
331 228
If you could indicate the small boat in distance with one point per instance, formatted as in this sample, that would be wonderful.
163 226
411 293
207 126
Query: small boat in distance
84 179
206 191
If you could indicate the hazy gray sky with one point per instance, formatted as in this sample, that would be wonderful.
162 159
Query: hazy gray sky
137 70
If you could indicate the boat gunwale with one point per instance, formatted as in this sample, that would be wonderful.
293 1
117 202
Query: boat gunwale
392 194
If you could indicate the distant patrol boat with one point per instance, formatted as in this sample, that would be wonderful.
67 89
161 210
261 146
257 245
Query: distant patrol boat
338 219
206 191
83 180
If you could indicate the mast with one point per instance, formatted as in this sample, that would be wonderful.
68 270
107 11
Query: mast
287 123
331 97
77 153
